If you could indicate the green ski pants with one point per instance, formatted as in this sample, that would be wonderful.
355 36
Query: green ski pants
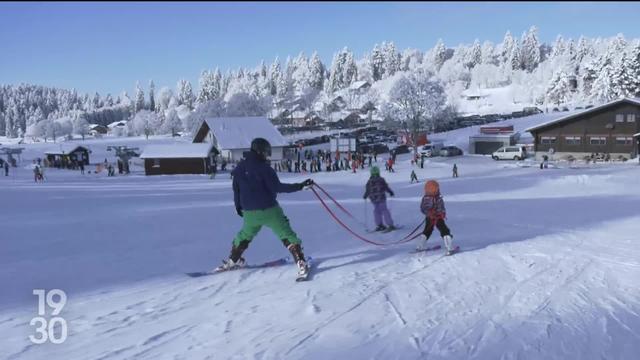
272 218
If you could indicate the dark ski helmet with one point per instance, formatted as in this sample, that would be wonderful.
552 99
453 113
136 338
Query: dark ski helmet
261 147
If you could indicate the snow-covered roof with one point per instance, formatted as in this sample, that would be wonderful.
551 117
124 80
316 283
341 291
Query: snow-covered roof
117 123
63 149
177 151
359 84
238 132
635 101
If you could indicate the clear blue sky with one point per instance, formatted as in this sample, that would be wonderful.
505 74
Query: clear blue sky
107 47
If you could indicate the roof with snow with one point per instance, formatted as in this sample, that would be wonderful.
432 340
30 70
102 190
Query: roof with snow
177 151
117 123
238 132
64 149
635 101
359 85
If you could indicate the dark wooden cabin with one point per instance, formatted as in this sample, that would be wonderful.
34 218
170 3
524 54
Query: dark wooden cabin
611 129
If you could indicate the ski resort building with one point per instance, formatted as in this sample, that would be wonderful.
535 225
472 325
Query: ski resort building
179 159
66 154
492 138
232 136
612 128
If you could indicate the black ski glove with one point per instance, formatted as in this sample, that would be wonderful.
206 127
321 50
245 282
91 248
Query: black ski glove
239 211
307 182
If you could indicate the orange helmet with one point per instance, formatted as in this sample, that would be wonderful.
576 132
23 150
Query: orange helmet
431 188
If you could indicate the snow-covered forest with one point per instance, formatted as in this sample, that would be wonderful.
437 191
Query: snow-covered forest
567 72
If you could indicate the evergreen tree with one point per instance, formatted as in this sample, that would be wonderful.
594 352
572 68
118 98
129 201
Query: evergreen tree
391 60
559 88
139 102
516 62
274 77
558 47
439 55
316 72
185 94
152 99
507 52
530 51
376 63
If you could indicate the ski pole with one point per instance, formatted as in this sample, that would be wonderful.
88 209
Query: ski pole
366 222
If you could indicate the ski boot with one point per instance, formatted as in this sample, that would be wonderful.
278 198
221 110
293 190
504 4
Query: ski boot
229 264
380 228
448 244
422 243
298 257
389 228
235 258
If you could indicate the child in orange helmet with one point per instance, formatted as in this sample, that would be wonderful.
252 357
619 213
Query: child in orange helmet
432 206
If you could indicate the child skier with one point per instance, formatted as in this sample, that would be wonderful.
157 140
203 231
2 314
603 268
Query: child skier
455 171
255 187
414 176
432 206
376 190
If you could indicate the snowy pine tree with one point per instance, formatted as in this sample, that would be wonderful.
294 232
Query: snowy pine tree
506 49
559 89
530 50
152 99
185 94
139 102
439 55
316 72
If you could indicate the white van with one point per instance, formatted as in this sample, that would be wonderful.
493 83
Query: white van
431 149
509 153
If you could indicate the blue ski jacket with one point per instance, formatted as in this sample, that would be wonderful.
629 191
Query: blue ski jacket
256 184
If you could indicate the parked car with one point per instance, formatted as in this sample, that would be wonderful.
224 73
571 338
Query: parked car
509 153
431 149
401 149
450 151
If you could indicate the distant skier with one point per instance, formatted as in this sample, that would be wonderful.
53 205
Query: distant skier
414 177
432 206
6 168
255 187
455 171
376 190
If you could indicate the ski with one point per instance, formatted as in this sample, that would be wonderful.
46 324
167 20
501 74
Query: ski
278 262
430 248
398 227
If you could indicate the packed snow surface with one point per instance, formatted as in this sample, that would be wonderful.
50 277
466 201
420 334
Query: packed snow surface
549 267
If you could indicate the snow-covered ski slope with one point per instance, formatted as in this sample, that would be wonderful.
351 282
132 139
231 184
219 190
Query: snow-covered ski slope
549 268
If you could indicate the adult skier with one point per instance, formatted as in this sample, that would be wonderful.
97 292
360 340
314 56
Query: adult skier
255 188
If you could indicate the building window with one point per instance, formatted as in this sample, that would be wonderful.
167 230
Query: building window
624 140
598 140
156 162
619 118
631 117
548 140
573 140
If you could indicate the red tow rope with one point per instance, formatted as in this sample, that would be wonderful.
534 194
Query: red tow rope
406 239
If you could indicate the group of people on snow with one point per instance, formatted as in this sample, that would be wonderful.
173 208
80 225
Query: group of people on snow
255 188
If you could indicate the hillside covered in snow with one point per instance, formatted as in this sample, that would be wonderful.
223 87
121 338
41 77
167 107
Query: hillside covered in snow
549 267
